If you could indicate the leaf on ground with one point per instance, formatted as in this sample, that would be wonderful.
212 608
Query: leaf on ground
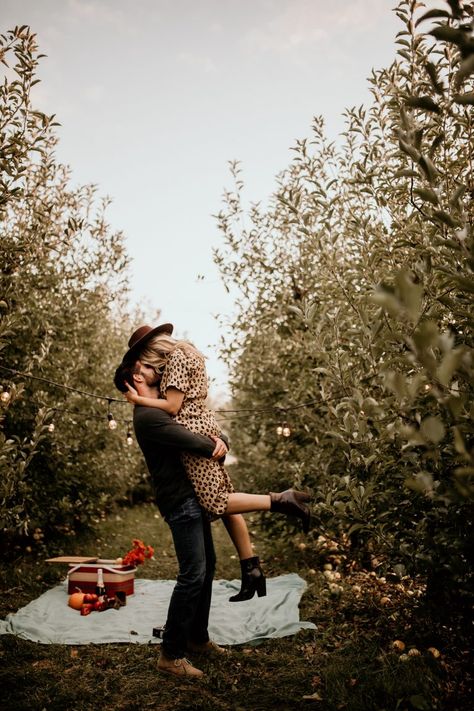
43 664
312 697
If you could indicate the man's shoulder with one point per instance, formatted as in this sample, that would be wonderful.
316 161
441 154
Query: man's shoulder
145 415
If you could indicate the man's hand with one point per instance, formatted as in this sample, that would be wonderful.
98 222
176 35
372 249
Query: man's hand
220 449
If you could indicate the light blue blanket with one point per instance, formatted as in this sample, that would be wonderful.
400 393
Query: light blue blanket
49 620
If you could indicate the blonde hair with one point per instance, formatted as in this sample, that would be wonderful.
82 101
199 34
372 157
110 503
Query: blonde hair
161 346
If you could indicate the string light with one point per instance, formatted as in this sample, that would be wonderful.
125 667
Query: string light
125 402
283 430
110 418
112 422
77 413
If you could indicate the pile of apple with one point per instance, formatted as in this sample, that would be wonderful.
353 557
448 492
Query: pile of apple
87 602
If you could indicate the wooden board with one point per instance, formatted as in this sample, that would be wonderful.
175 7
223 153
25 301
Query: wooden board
72 559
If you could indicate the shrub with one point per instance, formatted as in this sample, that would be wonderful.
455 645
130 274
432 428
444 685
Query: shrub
355 292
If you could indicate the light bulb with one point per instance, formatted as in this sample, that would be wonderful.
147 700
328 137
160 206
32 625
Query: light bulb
129 439
286 431
112 422
279 430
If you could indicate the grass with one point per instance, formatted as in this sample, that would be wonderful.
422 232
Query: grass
349 663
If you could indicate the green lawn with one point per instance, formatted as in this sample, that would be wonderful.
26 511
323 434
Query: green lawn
348 663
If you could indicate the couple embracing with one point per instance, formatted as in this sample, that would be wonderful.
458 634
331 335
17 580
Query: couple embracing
184 450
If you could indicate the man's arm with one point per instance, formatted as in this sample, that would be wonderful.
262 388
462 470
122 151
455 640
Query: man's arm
157 427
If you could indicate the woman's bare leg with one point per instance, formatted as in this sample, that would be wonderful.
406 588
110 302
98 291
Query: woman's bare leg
289 502
244 503
239 533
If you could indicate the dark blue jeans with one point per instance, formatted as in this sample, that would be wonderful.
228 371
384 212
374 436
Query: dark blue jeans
188 612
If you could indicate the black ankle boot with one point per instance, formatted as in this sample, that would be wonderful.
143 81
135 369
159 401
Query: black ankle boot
292 503
253 580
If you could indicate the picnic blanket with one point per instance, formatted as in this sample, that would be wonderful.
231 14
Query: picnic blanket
49 620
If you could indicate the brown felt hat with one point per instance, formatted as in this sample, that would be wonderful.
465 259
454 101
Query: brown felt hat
140 338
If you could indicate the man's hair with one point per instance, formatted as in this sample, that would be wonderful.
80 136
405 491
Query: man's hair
124 374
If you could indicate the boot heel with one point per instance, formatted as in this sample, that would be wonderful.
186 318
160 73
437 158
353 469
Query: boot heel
253 580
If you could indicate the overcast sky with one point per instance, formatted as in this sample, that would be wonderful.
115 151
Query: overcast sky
155 96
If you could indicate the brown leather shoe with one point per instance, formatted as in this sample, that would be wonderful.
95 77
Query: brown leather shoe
210 647
179 667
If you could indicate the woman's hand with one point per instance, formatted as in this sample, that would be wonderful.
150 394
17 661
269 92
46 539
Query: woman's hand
132 395
220 449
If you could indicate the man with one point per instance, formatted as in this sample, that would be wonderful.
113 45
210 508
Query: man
162 440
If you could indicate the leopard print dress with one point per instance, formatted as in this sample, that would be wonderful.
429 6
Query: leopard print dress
212 484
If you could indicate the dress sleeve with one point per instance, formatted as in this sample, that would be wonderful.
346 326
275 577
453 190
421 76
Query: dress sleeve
177 371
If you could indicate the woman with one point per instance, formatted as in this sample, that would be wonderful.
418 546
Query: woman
183 391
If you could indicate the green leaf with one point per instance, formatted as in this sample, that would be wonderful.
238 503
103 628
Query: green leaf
464 481
406 173
387 300
465 283
460 444
422 482
432 14
420 703
449 34
425 103
436 143
428 168
409 149
445 218
432 429
458 193
449 365
368 460
433 75
397 383
465 99
356 527
427 195
465 70
426 335
410 293
336 435
295 310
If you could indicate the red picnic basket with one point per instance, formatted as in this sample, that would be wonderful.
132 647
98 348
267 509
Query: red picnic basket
117 577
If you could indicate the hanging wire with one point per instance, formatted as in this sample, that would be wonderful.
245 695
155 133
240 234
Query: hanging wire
63 387
77 413
109 400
